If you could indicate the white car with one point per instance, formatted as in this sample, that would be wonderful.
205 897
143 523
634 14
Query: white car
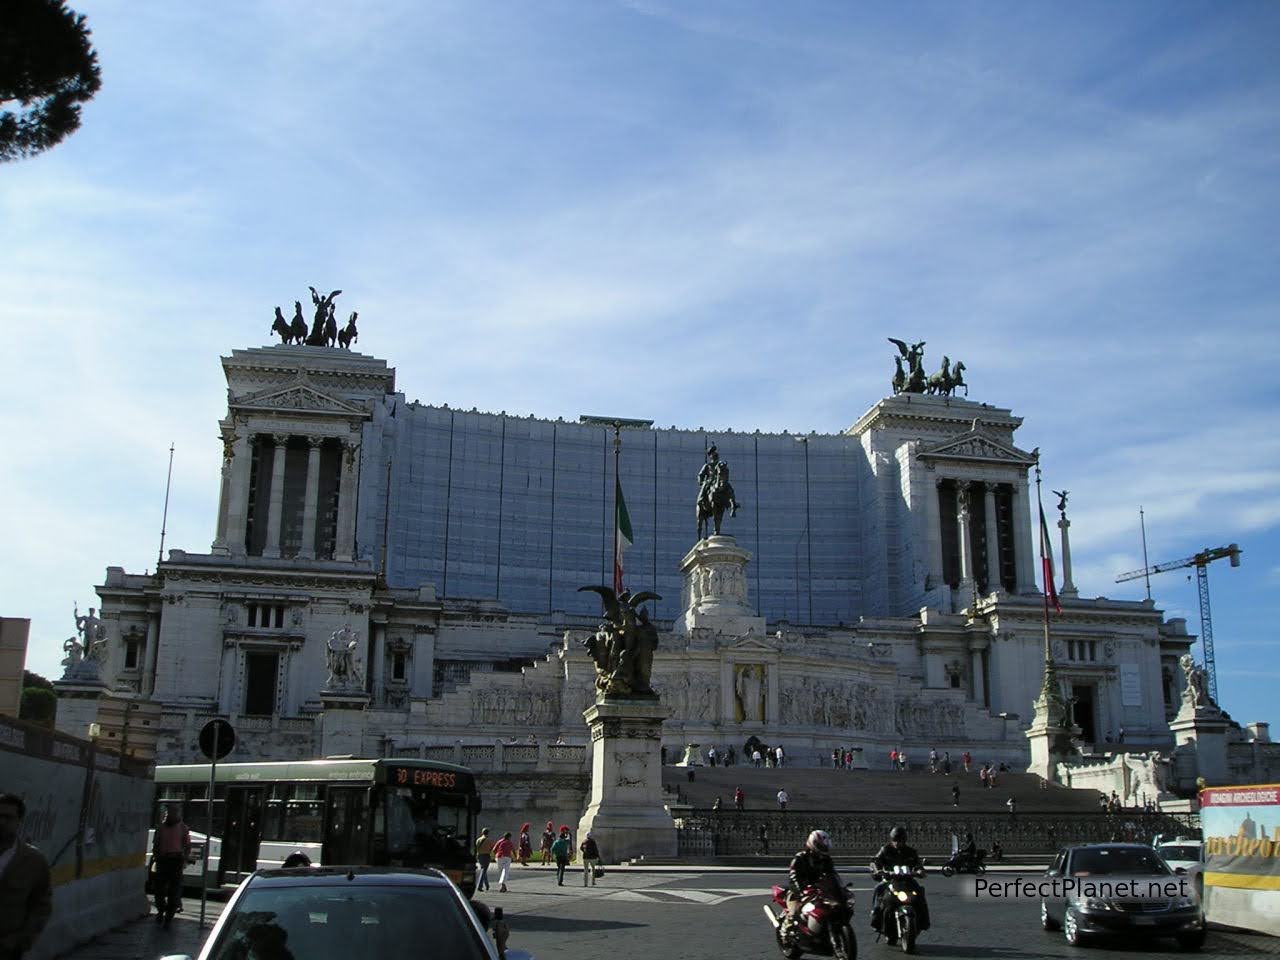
1187 855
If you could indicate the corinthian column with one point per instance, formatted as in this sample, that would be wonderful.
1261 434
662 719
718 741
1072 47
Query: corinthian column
344 546
1068 588
275 511
308 549
993 537
238 494
965 589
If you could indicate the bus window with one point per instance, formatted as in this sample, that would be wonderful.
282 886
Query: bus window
273 815
197 809
304 814
424 828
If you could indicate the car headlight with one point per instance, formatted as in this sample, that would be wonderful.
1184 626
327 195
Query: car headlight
902 895
1184 903
1090 904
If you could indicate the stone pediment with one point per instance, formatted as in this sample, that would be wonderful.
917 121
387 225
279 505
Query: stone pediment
297 398
751 643
976 446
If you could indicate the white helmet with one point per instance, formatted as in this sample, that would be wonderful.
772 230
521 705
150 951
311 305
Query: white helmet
819 842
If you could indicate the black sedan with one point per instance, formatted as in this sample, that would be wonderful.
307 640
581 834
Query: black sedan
348 912
1111 888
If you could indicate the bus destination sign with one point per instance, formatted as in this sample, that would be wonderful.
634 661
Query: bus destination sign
420 777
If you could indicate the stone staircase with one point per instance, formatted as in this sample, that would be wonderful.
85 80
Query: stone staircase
873 791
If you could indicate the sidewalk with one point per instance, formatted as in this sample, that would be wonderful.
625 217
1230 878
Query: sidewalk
144 939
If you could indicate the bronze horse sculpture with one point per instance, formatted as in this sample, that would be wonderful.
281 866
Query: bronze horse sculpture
718 498
348 334
281 327
298 327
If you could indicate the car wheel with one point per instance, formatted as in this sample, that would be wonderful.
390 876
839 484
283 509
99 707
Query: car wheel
1047 922
1071 930
946 870
1191 941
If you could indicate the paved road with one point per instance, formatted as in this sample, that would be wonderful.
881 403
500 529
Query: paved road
688 915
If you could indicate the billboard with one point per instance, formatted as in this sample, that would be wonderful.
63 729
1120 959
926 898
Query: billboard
1241 827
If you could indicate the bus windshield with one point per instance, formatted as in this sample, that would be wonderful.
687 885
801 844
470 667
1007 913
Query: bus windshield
425 827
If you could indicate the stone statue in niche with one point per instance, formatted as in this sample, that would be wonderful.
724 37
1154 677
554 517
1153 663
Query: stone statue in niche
340 657
749 692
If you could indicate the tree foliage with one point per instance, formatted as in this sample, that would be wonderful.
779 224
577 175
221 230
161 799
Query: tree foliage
30 679
38 706
47 70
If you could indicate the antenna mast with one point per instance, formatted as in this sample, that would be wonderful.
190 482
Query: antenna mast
164 521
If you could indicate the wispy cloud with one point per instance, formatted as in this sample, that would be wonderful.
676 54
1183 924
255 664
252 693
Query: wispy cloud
708 216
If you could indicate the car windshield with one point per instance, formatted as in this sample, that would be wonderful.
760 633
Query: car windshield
1180 852
425 827
306 921
1104 860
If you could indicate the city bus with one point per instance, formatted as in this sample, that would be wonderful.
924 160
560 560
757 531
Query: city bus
400 813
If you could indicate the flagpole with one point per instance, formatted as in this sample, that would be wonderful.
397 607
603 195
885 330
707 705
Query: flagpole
1048 650
617 423
617 456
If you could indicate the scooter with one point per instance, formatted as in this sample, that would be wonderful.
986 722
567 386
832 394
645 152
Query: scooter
964 862
899 906
824 927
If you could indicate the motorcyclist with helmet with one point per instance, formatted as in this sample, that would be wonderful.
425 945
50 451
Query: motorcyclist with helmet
896 853
810 867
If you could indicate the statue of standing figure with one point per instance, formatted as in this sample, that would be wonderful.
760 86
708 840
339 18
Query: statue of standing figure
93 633
340 657
1196 693
324 317
715 493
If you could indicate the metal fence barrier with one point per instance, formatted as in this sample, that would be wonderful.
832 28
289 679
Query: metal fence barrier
728 833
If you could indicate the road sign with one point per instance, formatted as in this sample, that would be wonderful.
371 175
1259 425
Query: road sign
217 739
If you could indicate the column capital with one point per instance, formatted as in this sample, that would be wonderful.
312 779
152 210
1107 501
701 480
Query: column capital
280 439
315 441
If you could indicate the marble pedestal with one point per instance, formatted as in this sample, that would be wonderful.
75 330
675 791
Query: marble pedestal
625 814
715 589
1202 731
342 723
1050 745
78 699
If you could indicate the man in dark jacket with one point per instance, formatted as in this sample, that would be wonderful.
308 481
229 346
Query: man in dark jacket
26 893
811 867
896 853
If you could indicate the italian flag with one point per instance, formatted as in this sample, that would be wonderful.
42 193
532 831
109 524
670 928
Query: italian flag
622 537
1046 563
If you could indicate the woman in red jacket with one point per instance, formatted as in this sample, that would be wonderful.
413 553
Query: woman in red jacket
502 851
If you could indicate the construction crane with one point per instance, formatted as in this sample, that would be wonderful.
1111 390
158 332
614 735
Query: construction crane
1201 562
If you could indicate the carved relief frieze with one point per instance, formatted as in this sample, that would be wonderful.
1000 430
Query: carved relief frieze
504 706
692 697
841 704
923 719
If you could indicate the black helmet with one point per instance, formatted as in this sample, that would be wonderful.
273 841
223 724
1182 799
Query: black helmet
898 834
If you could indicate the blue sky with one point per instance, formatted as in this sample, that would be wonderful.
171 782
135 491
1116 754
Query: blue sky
733 203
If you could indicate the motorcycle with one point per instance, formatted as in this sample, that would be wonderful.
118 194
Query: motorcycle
963 862
899 906
824 927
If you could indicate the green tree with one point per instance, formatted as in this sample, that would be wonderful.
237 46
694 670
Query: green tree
38 706
47 70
